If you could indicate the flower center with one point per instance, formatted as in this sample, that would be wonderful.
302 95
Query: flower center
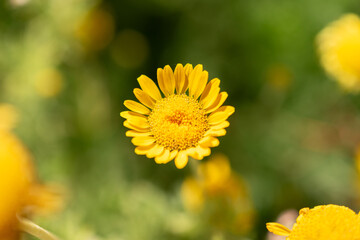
178 122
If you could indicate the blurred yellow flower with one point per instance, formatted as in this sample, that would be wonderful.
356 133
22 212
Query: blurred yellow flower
186 121
218 190
326 222
95 30
192 194
20 193
339 50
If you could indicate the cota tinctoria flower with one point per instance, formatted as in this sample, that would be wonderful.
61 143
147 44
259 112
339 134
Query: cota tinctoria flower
183 121
20 193
339 50
218 192
326 222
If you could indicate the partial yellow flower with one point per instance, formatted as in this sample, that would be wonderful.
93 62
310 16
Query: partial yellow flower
339 50
221 194
192 194
286 218
95 30
20 193
325 222
215 174
183 121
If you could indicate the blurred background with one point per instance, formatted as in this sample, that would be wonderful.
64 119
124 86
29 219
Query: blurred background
67 66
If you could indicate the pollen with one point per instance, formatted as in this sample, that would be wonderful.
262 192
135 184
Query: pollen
178 122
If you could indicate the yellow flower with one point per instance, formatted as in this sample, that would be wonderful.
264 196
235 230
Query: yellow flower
217 191
20 193
96 30
185 121
339 50
326 222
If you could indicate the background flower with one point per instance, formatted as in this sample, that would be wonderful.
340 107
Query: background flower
20 192
218 193
320 223
339 50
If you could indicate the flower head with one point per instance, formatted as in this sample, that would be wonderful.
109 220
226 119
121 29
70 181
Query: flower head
339 50
185 121
20 192
221 194
326 222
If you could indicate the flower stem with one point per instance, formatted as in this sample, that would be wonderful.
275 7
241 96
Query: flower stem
31 228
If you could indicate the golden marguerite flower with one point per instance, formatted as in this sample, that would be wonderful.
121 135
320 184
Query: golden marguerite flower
185 121
21 195
326 222
339 50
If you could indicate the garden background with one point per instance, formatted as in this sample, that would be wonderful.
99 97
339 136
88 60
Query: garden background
68 65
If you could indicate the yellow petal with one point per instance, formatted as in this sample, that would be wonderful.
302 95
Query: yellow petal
199 152
221 125
170 157
148 86
143 150
163 158
134 133
136 107
143 141
129 114
220 115
218 102
209 142
144 98
181 160
201 84
188 69
155 151
210 93
135 127
215 132
173 154
194 79
169 79
278 229
161 81
166 80
180 79
138 121
203 151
